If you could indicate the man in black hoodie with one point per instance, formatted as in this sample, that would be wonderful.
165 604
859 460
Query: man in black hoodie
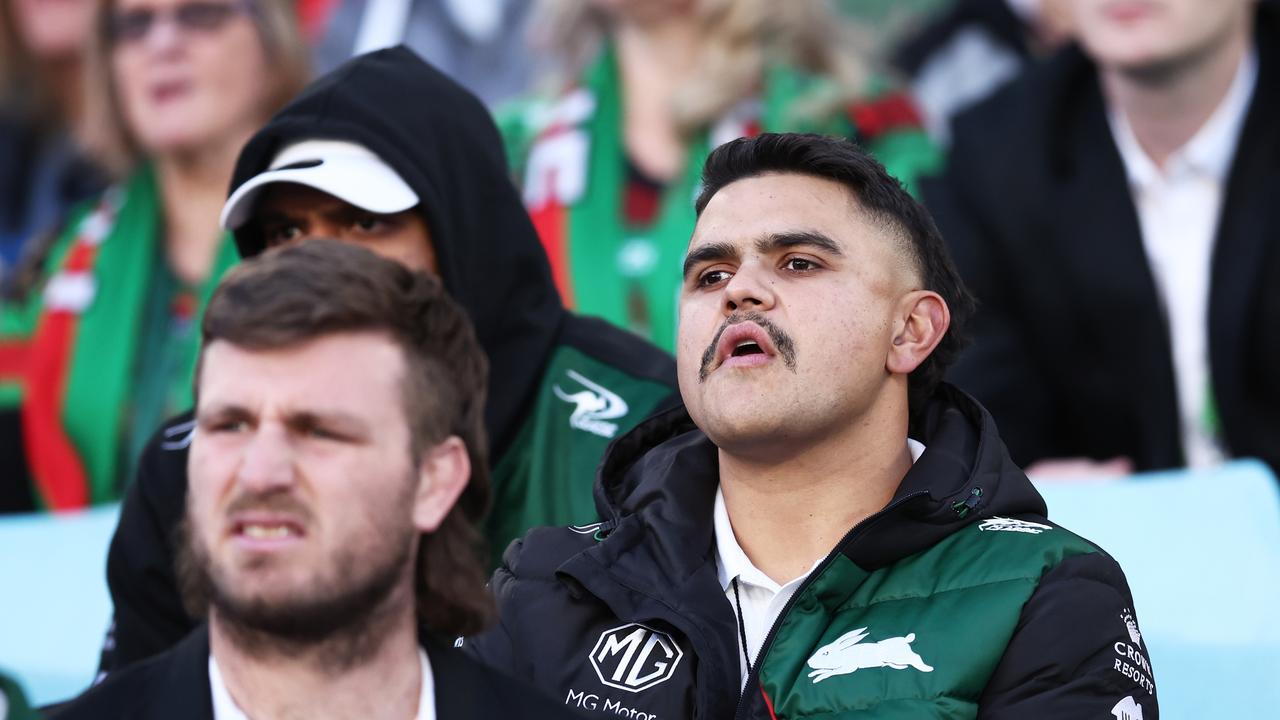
827 531
560 386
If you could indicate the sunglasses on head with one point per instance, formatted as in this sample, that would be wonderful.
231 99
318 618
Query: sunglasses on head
198 15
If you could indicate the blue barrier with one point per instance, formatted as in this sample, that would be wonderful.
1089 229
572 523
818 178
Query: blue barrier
1201 550
54 605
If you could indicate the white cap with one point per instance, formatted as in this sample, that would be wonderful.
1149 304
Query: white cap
346 170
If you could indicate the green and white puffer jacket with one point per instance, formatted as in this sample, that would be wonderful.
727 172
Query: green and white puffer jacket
960 599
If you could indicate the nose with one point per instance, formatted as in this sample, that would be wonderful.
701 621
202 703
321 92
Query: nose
748 289
165 37
267 463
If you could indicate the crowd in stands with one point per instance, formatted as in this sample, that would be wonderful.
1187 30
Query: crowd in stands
1101 173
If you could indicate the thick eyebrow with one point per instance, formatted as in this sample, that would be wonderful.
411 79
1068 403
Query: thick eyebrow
336 420
711 252
720 251
301 420
801 238
222 413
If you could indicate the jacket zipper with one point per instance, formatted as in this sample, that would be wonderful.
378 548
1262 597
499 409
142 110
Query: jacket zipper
753 678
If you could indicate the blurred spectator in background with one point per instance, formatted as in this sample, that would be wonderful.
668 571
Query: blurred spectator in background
974 48
13 704
105 340
1115 212
42 169
423 183
610 166
479 43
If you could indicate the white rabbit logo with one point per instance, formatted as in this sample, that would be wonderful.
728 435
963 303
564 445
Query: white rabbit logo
846 655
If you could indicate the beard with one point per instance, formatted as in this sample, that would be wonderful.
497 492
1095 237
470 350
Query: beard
346 607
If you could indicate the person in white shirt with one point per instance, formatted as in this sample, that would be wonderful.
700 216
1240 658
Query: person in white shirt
1117 237
337 472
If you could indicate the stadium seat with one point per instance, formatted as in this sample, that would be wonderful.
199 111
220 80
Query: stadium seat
56 608
1201 550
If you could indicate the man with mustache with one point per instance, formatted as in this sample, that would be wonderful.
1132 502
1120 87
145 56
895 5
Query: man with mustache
337 475
826 529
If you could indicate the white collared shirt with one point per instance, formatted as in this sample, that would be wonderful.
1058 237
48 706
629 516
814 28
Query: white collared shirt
1179 207
225 707
762 599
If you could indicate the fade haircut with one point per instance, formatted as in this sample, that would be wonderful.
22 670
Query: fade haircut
876 193
288 296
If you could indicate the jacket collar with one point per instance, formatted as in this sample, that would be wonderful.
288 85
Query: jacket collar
658 483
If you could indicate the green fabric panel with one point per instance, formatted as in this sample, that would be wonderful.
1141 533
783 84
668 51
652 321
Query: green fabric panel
106 337
961 599
909 156
13 704
547 475
518 125
227 258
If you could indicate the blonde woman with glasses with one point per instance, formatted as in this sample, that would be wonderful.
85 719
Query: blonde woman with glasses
102 346
609 162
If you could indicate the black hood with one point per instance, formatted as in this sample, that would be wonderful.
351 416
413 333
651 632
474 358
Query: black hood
443 143
665 471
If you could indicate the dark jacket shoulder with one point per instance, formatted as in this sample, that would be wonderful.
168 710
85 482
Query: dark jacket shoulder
619 348
172 684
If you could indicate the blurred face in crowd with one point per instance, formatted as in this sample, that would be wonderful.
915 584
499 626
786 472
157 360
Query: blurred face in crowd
54 28
190 74
305 507
290 213
1151 35
787 313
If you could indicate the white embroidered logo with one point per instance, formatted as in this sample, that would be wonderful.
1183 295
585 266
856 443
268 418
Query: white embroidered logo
586 529
846 655
1010 525
178 437
1132 625
634 657
1127 709
595 406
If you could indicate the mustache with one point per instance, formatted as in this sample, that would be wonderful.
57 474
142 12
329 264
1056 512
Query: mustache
278 501
781 341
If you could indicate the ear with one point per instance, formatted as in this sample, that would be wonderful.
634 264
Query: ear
921 321
443 473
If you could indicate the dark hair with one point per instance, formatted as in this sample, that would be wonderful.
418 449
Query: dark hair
876 192
287 296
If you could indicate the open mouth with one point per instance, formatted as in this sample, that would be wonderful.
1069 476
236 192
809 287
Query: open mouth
747 347
267 531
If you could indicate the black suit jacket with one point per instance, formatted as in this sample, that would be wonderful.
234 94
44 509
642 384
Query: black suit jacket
175 684
1071 348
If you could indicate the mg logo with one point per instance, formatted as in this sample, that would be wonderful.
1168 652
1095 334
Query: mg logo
634 657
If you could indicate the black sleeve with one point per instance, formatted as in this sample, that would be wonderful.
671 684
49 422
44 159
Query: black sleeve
1077 651
999 367
494 647
149 617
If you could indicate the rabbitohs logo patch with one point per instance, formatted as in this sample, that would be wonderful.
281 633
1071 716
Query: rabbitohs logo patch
847 654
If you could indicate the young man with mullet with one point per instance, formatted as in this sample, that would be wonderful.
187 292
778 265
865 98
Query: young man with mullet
826 530
337 473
